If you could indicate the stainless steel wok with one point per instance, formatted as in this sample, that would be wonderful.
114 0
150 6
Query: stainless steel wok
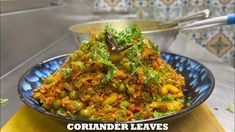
163 36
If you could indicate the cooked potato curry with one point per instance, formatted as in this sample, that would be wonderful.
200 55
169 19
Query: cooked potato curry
113 76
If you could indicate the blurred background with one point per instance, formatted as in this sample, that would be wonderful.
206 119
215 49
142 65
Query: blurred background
32 25
218 40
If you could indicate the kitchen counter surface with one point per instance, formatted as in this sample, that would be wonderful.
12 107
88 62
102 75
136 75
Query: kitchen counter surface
222 96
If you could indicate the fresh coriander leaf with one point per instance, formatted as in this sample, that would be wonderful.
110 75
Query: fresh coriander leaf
145 41
60 112
157 114
134 68
148 97
187 101
104 56
111 73
126 36
135 50
122 113
85 41
78 64
138 62
102 53
108 63
37 89
110 29
131 33
66 71
167 98
230 108
155 47
98 88
187 104
2 101
84 47
101 37
150 75
111 70
138 116
135 65
73 57
123 107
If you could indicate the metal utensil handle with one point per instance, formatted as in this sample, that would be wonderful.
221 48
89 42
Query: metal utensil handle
195 16
222 20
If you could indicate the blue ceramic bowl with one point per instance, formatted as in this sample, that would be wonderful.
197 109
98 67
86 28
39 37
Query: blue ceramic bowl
199 84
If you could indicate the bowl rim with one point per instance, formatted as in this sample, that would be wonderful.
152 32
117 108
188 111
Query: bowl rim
123 20
159 119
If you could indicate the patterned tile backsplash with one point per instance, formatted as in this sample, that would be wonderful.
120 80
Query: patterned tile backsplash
217 40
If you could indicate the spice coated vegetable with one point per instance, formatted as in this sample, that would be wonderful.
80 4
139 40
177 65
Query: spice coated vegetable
114 76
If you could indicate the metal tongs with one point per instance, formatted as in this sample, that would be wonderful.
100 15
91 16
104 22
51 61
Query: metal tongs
204 14
216 21
186 23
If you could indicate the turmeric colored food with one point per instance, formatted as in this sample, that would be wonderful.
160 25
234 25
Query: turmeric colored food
114 76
